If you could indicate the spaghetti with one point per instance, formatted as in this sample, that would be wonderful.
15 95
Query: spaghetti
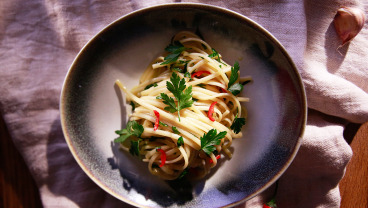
187 110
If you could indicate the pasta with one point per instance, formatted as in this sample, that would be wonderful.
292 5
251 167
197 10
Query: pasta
186 110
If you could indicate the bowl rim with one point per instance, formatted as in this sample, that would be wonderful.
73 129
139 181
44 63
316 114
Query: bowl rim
179 5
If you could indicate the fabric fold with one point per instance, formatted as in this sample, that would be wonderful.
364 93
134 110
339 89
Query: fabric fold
40 39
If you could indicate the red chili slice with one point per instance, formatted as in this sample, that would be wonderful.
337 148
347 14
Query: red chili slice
157 123
217 157
163 156
211 110
199 73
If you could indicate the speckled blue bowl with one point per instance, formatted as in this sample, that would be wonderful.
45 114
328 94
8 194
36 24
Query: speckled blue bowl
92 108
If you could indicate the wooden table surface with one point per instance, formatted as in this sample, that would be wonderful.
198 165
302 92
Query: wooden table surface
18 189
354 185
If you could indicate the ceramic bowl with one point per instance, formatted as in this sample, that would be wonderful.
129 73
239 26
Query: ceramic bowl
92 107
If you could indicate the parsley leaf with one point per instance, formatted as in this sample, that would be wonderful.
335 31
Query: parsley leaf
183 96
168 101
201 85
184 62
150 85
175 130
174 50
133 105
187 74
234 88
184 173
177 69
238 123
210 139
134 147
162 124
234 73
180 66
132 128
215 55
180 141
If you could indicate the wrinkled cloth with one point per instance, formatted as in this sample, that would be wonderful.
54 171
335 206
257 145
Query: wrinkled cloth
40 38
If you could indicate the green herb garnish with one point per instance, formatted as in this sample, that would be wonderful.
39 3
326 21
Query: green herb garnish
180 66
234 73
132 129
201 85
215 55
162 124
180 141
175 130
133 105
182 94
184 173
210 139
177 69
188 75
183 62
237 124
234 87
150 85
174 49
134 147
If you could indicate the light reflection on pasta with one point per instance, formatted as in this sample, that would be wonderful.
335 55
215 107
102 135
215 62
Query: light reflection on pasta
186 110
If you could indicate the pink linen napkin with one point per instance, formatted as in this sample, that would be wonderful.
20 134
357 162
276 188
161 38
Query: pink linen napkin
39 40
